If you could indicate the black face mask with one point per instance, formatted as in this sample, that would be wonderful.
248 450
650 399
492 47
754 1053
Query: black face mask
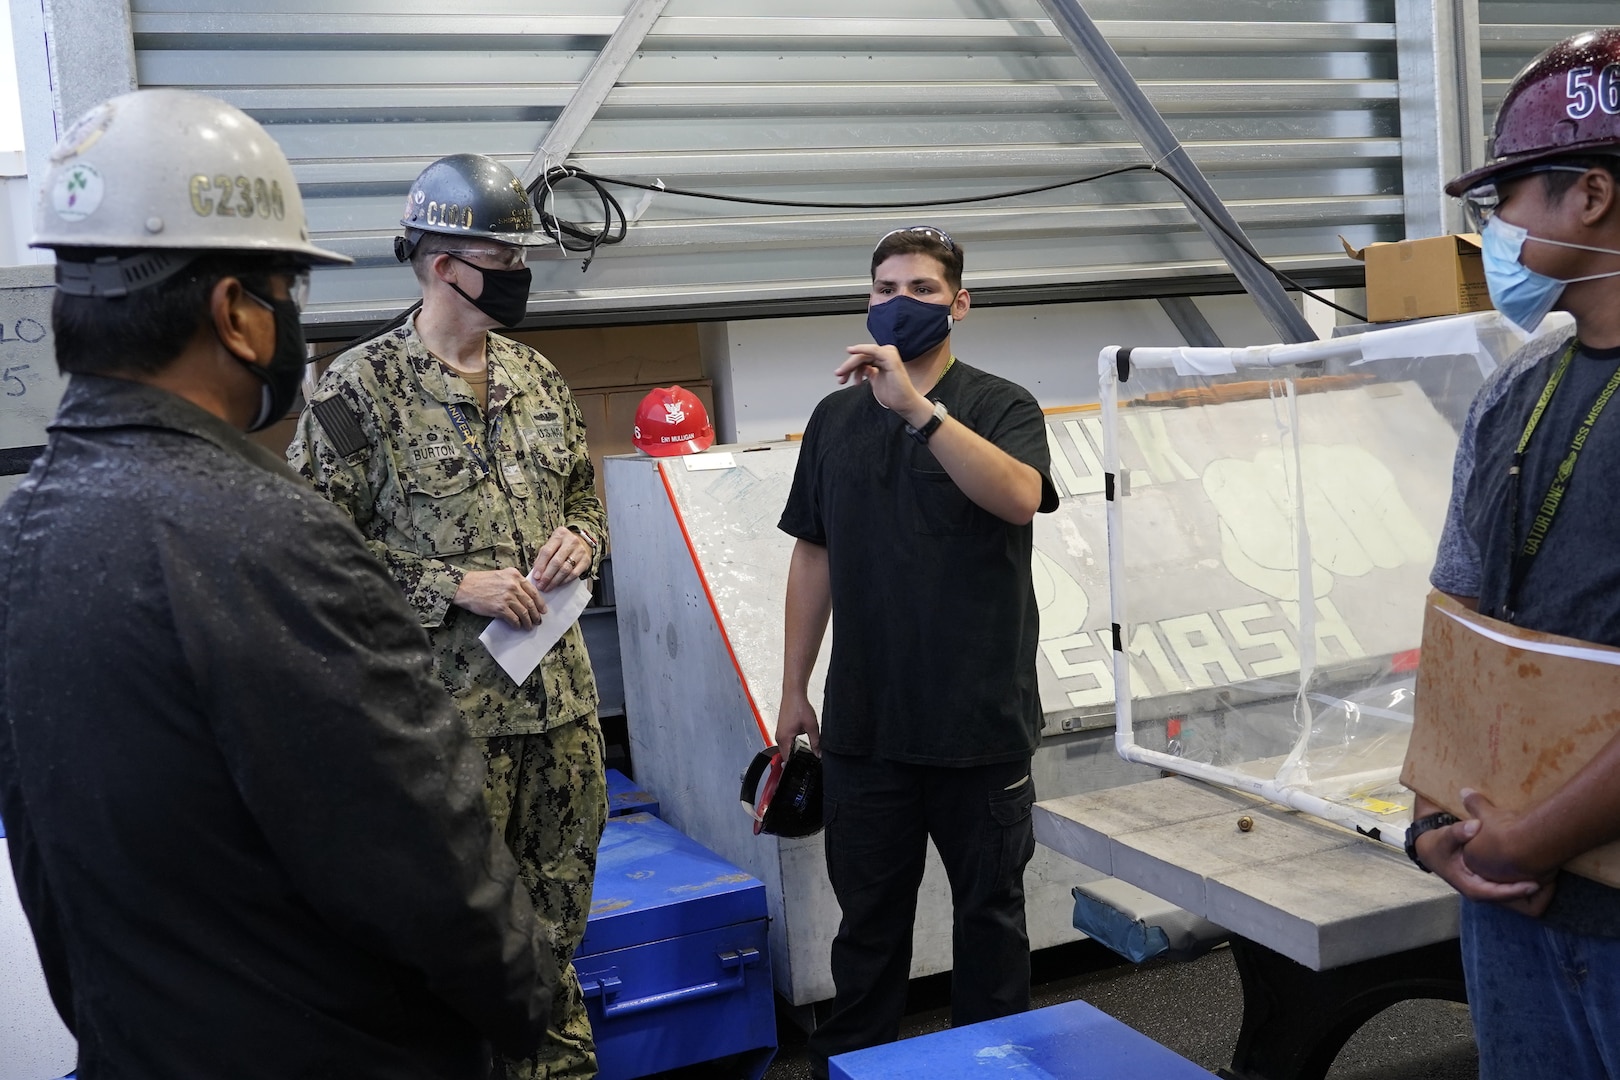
283 375
506 293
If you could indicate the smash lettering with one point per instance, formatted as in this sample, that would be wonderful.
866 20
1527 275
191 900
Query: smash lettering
1188 652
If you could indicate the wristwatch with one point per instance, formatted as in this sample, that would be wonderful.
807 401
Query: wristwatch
1421 826
930 426
590 540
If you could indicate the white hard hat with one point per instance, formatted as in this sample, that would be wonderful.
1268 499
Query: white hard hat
171 170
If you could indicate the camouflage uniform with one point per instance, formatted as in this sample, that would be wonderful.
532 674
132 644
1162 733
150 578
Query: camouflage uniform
378 440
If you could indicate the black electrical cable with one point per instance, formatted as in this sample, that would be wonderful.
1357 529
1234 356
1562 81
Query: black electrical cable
573 172
569 236
1247 249
586 240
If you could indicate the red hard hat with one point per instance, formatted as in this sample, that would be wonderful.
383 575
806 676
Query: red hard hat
1566 101
671 420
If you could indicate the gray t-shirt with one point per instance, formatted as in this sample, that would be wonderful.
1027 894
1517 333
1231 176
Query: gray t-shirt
1572 586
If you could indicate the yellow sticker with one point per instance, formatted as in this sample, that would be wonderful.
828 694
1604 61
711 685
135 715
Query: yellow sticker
1377 806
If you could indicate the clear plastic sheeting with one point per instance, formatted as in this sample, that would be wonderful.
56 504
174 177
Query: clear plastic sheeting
1272 523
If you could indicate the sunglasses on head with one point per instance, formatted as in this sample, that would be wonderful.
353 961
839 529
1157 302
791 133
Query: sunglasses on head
927 230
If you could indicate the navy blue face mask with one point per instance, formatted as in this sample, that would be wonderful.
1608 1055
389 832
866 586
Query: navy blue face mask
911 326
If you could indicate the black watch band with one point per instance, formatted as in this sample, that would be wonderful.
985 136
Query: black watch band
930 426
1419 827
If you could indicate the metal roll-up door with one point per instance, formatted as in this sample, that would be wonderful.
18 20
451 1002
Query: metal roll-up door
1291 109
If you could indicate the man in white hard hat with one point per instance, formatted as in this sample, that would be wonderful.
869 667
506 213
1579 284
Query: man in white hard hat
247 826
461 455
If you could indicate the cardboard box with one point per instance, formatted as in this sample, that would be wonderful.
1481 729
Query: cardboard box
1511 713
1422 279
598 357
593 407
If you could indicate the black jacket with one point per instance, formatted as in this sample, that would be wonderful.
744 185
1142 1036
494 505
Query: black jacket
247 826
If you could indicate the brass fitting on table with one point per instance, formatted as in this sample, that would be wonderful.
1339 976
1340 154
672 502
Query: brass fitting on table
1245 823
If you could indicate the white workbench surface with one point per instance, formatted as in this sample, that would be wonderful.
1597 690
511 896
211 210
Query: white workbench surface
1317 893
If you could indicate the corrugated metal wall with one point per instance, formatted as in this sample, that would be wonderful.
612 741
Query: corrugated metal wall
1290 106
1510 34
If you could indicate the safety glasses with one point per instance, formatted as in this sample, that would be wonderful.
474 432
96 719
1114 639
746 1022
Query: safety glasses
927 230
297 290
503 259
1480 203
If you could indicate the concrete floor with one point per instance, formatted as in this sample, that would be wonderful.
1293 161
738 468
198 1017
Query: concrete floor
1194 1008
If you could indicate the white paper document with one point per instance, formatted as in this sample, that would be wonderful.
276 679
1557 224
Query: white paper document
519 651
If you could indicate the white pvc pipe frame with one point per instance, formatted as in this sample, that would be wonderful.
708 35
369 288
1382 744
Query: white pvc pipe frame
1188 360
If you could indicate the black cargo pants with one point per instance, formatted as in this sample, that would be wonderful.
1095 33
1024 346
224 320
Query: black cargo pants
880 816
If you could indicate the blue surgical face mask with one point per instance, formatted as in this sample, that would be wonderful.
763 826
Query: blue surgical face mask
1519 293
912 326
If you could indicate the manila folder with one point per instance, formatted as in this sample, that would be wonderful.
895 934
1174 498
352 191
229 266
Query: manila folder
1511 713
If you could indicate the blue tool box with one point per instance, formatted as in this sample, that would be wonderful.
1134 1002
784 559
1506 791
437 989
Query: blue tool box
624 797
675 966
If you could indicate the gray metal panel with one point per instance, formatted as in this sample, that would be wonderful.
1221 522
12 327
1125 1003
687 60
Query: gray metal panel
1441 128
1290 108
1512 32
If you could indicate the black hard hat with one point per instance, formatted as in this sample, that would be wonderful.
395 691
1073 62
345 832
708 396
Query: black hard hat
791 803
468 195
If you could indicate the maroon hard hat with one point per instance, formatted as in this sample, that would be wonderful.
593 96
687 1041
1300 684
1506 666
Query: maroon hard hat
1566 101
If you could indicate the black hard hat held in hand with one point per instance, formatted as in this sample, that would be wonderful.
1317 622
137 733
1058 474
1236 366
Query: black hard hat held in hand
790 804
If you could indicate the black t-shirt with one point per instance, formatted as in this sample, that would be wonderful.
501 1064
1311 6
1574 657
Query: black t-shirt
1572 585
934 620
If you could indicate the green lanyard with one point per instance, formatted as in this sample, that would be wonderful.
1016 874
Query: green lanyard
1522 554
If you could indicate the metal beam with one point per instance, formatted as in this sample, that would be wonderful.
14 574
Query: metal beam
594 88
71 55
1155 136
1190 322
1442 126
